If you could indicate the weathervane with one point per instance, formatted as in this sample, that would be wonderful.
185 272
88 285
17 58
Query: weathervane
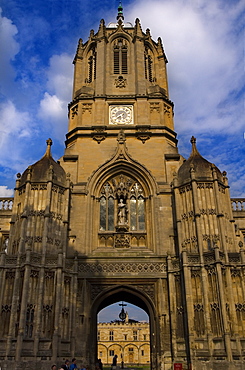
120 12
122 314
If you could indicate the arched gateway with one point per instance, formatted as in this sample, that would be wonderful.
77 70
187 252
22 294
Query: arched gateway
133 296
121 216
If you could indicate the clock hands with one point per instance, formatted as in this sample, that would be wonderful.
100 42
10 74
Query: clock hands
120 116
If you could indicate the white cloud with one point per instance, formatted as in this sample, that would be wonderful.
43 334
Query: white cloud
203 41
15 127
5 192
53 106
60 76
205 60
9 48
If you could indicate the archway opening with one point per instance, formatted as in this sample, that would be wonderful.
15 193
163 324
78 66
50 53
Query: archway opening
125 329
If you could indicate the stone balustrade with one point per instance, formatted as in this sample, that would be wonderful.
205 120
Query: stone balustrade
6 204
238 204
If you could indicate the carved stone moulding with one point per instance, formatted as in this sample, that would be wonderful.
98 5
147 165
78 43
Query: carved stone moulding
194 258
99 134
11 260
120 82
122 241
140 268
234 257
143 133
148 289
185 188
209 257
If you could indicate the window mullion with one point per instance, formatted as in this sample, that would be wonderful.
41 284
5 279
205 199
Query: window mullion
120 60
107 213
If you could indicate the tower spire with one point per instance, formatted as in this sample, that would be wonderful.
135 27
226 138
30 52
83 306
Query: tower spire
48 150
120 12
194 148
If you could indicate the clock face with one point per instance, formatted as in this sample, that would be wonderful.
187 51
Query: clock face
121 115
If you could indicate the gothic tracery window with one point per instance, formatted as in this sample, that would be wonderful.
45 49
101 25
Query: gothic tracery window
92 56
29 320
120 50
148 65
6 303
48 305
122 205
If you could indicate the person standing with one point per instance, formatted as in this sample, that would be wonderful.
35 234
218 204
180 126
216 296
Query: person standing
100 364
73 364
66 365
114 361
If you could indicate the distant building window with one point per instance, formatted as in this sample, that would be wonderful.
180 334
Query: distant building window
125 336
142 352
101 354
131 349
111 352
144 336
98 336
111 335
135 335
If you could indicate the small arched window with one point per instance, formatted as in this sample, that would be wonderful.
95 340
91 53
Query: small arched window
122 205
120 50
148 65
92 65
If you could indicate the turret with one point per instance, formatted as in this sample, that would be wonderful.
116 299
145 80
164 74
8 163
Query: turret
203 205
40 207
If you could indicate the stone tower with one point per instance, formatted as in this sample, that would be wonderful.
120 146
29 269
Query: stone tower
122 216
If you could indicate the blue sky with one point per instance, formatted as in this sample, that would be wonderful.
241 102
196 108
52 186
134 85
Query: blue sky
203 41
111 313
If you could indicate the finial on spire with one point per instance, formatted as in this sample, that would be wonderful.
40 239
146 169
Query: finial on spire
193 140
194 148
49 143
122 314
120 12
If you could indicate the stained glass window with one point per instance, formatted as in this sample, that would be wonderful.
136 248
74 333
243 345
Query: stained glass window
122 202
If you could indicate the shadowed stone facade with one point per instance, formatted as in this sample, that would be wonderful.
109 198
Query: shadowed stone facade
122 216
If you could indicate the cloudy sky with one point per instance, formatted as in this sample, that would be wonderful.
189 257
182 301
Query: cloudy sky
203 41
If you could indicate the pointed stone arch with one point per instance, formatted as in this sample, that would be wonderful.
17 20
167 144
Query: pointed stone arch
119 33
134 295
135 231
121 161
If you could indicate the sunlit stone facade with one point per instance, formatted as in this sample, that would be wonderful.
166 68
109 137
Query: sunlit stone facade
129 341
122 216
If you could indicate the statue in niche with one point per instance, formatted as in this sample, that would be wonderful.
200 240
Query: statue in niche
122 213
